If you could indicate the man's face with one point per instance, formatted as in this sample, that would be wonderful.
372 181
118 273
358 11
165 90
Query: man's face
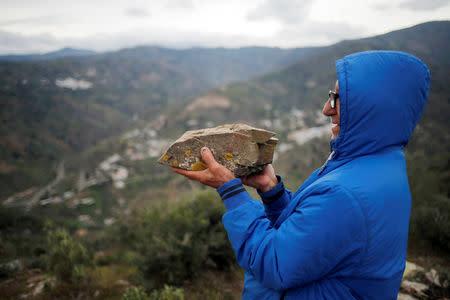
334 114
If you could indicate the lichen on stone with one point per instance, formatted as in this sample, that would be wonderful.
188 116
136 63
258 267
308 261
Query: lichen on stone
199 166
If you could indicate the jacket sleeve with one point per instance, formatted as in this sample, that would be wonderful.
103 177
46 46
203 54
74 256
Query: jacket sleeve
326 233
275 200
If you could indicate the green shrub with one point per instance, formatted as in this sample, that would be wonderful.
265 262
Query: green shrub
431 221
430 212
66 258
168 293
135 293
179 244
104 260
10 268
176 244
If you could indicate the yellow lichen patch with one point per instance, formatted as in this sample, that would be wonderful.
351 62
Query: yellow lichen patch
175 162
199 166
188 152
228 156
166 157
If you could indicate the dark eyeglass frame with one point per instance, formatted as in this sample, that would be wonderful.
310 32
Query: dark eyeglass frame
333 97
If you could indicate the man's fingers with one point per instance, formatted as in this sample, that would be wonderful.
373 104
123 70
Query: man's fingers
208 157
178 170
194 175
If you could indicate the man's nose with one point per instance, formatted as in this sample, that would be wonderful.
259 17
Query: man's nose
327 110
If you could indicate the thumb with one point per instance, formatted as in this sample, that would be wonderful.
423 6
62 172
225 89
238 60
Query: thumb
208 157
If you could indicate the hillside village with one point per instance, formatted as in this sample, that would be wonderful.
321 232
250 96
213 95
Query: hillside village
146 143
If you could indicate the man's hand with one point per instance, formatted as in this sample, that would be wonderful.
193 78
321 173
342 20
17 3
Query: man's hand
262 181
214 176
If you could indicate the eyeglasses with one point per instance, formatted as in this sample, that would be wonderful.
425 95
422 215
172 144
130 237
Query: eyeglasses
333 97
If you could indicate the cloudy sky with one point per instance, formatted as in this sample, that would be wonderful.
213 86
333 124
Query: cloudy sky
30 26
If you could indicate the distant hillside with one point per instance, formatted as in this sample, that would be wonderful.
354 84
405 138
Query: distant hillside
305 84
54 108
65 52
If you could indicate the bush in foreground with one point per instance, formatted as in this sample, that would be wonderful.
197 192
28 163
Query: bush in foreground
177 244
66 258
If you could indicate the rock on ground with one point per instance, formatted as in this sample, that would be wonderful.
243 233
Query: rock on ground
405 297
411 269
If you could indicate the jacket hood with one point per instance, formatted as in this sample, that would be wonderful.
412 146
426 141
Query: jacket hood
382 95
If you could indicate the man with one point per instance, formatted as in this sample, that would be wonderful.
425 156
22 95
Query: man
343 234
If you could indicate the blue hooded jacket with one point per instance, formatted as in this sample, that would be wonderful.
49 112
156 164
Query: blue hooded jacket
343 234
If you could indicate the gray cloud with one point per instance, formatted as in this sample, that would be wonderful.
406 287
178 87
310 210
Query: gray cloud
305 34
180 4
18 43
424 4
15 43
137 12
382 6
170 38
40 20
320 33
285 11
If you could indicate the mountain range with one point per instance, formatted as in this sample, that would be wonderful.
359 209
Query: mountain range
64 52
56 109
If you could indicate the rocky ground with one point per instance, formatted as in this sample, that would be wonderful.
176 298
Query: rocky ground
418 283
421 283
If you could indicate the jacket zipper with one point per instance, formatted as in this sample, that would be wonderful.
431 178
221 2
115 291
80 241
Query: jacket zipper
326 162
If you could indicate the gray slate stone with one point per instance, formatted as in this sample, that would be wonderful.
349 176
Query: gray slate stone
405 297
239 147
